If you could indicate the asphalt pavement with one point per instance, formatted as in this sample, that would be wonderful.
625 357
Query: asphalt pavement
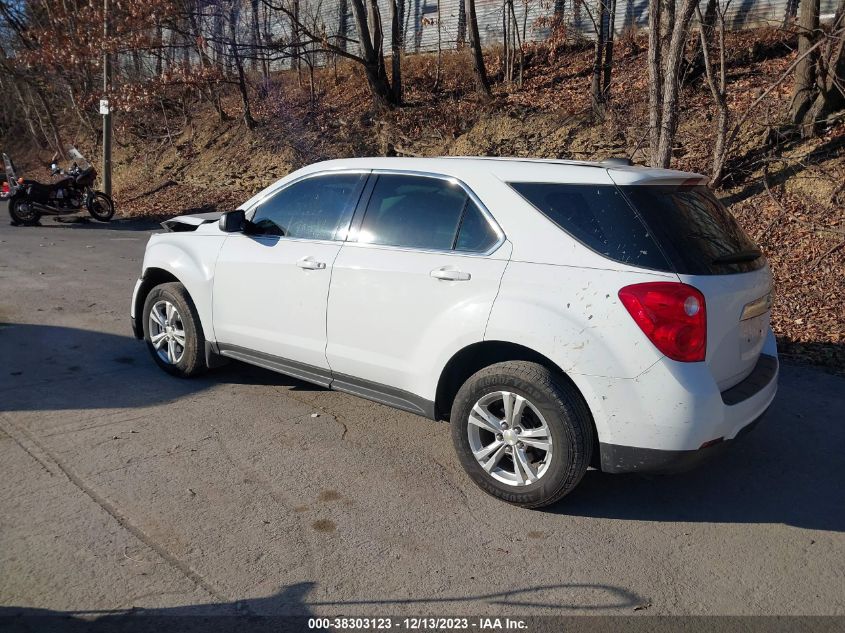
246 491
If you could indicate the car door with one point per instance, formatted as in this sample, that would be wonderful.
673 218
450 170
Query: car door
271 282
416 279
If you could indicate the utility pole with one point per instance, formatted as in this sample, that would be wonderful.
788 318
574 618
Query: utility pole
106 111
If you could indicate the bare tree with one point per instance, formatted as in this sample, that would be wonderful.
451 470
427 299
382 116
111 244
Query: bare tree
396 52
665 63
655 77
482 84
803 89
830 75
718 85
370 44
603 24
514 59
234 13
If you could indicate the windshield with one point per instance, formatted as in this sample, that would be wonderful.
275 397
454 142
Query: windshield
11 177
694 229
74 155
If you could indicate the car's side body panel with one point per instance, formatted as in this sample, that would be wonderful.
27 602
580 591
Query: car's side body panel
413 322
574 316
265 301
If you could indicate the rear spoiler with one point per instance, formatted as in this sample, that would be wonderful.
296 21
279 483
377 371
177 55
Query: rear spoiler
639 176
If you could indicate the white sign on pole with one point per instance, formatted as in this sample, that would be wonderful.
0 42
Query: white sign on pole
104 106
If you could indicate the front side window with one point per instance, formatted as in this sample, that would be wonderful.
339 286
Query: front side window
425 213
314 208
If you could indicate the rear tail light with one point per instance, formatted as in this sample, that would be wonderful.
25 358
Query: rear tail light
672 315
5 187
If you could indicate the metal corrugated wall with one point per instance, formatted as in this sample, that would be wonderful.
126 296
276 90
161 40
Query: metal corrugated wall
429 25
421 18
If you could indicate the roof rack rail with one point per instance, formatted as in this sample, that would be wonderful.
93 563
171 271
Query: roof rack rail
618 160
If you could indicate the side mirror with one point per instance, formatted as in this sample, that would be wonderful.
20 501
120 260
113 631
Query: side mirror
233 221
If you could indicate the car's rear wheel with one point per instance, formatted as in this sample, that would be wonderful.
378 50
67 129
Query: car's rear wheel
173 332
522 433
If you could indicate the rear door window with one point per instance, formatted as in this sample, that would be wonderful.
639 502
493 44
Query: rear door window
599 217
475 234
695 230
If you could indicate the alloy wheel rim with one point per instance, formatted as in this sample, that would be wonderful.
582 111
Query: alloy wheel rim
509 438
167 332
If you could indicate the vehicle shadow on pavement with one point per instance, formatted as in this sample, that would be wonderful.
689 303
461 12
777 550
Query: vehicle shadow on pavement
790 469
83 222
50 368
290 609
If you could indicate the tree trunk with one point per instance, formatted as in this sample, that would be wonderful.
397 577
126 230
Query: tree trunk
667 23
462 23
159 41
396 50
598 62
718 89
518 44
608 50
239 67
805 72
373 60
655 78
255 35
672 85
482 85
831 96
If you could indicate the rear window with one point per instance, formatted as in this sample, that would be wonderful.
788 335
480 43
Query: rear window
599 217
695 230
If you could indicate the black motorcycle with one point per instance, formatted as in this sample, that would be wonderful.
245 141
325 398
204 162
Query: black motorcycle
71 193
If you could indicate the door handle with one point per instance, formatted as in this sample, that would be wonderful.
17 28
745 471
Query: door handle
309 263
450 274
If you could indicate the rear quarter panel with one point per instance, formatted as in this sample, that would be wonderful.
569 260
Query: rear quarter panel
573 316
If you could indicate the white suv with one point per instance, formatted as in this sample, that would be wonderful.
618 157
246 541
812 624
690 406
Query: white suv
558 314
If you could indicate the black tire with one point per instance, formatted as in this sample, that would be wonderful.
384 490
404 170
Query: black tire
19 214
565 413
100 206
192 359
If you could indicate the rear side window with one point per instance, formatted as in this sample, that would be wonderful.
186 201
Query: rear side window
697 233
424 213
314 208
475 234
599 217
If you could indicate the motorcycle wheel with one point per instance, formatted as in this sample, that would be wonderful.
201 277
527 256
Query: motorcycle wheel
21 211
100 206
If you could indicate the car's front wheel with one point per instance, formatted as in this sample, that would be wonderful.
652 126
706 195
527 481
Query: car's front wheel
522 433
173 332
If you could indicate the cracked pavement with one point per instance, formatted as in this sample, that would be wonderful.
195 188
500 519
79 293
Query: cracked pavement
126 488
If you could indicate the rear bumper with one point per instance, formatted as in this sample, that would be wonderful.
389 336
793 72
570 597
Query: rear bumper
673 415
616 458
